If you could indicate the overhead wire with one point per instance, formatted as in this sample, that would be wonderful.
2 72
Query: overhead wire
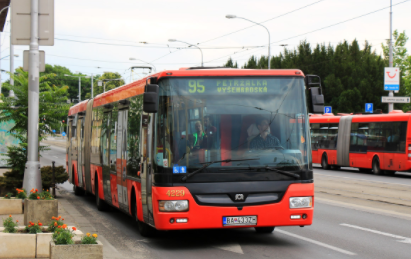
322 28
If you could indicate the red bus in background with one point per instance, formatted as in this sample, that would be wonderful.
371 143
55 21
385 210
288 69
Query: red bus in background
380 143
180 149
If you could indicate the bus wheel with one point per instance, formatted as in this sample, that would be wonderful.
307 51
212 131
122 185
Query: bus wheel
144 229
376 167
78 191
101 205
324 162
264 230
389 172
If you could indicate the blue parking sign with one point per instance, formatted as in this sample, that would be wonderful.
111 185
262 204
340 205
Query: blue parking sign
328 109
369 107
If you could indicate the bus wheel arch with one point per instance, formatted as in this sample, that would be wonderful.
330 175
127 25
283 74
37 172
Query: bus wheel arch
101 205
133 203
376 165
324 161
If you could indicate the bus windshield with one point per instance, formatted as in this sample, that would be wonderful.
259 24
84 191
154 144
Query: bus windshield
260 120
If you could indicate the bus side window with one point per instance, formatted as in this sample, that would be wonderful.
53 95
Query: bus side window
133 136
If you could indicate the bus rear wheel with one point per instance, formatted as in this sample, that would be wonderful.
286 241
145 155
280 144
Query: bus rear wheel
324 162
101 205
264 230
376 167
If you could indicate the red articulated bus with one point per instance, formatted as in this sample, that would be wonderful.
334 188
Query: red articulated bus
374 142
199 148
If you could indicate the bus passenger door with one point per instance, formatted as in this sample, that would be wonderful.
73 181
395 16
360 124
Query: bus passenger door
122 159
146 142
69 151
80 151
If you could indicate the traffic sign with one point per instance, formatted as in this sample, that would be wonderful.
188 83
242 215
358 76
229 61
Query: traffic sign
328 109
63 134
392 79
396 99
369 107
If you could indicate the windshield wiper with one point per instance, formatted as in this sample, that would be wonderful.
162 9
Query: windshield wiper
207 164
292 174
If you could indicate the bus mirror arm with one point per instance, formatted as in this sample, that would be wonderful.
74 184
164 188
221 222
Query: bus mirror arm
150 99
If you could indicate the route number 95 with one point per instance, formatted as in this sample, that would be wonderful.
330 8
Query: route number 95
175 193
196 86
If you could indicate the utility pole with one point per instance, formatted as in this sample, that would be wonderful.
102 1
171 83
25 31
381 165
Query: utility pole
79 89
391 93
32 175
11 63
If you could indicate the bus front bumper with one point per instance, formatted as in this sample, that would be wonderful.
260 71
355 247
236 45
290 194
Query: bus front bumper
205 217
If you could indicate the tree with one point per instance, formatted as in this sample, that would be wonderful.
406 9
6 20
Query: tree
52 104
231 64
351 75
108 84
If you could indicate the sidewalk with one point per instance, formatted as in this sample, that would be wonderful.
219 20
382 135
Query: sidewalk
59 142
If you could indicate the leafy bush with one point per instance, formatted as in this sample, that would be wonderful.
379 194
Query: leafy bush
33 228
55 223
8 195
89 239
47 176
44 195
9 225
21 193
63 236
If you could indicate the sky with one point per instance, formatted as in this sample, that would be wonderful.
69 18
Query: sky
97 36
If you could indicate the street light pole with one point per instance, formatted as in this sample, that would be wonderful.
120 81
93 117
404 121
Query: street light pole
79 89
229 16
32 175
92 93
391 93
174 40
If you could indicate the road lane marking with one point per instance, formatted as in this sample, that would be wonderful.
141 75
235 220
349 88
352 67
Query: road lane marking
233 247
316 242
365 180
404 239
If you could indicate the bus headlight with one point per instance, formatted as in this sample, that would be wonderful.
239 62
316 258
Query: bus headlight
301 202
168 206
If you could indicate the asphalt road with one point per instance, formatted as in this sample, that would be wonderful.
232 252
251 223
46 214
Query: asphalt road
345 226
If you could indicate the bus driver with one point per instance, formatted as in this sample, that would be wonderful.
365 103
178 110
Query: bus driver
264 140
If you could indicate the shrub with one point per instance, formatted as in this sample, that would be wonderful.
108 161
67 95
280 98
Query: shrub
21 193
55 223
8 195
47 176
89 239
33 228
63 236
9 225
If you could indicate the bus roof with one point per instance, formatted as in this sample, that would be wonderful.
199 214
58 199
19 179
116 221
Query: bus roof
396 115
137 87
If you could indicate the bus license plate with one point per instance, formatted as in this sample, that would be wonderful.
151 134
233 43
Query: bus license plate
240 221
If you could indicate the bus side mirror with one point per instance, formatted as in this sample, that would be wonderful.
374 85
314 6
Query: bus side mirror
316 98
150 99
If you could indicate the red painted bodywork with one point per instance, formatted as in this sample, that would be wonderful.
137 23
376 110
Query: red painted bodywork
277 214
200 217
388 161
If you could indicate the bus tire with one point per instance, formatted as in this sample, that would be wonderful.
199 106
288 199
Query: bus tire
376 167
78 191
264 230
145 229
101 205
324 162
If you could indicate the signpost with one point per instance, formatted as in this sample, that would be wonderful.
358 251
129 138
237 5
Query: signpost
32 23
328 109
369 107
392 79
396 99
